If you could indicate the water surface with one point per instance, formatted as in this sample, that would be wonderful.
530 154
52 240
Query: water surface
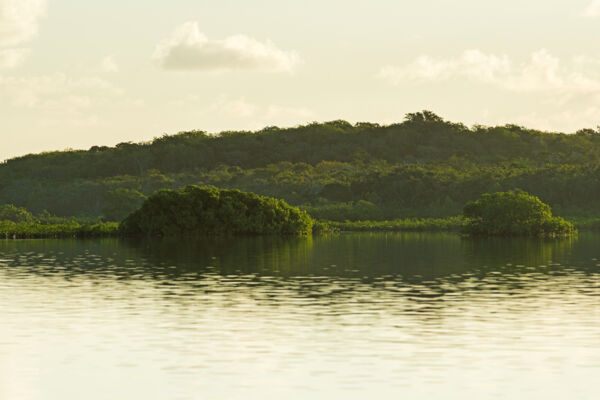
353 316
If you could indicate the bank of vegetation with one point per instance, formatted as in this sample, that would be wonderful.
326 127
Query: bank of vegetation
422 168
449 224
17 222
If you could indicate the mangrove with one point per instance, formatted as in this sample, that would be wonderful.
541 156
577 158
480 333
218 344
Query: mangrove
513 213
194 210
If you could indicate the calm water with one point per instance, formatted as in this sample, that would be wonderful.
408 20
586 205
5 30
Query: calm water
354 316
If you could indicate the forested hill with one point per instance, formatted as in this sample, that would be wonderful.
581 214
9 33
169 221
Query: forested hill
424 166
421 138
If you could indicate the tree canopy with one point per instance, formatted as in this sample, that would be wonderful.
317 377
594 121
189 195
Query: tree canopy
9 212
423 166
195 210
513 213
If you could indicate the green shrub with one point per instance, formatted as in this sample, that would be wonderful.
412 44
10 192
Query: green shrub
513 213
323 227
9 229
449 224
195 210
8 212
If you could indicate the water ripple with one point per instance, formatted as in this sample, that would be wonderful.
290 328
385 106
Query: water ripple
350 316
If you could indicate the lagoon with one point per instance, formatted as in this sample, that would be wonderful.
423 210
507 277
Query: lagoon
352 316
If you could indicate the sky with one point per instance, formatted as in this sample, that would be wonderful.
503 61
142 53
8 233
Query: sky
74 73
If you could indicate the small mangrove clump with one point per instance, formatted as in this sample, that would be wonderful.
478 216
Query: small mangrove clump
195 210
513 213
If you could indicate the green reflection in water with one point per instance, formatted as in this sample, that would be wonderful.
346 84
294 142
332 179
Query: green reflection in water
530 252
413 256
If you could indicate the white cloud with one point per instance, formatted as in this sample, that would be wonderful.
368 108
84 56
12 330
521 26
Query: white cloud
189 49
61 101
109 64
19 20
276 112
260 115
12 58
592 10
568 120
240 108
223 106
240 113
18 24
56 91
543 72
236 108
472 63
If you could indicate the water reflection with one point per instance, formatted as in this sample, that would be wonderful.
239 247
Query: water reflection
530 252
418 316
414 257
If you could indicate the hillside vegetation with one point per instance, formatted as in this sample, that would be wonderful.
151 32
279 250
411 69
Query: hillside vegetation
422 167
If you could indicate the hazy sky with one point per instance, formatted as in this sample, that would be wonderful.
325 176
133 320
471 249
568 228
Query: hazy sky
79 73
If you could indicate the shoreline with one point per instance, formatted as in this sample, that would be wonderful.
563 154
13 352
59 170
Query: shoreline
11 230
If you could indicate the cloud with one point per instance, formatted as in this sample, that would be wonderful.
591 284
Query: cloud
18 24
109 64
49 92
239 113
240 108
542 72
12 58
261 115
276 112
568 120
592 10
19 20
189 49
472 63
236 108
60 101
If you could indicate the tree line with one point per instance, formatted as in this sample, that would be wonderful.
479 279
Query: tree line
422 167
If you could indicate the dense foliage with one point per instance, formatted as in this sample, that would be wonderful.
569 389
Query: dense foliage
449 224
9 212
195 210
18 222
69 229
513 213
422 167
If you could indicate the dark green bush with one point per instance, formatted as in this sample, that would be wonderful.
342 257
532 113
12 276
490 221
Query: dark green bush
449 224
513 213
8 212
67 229
195 210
